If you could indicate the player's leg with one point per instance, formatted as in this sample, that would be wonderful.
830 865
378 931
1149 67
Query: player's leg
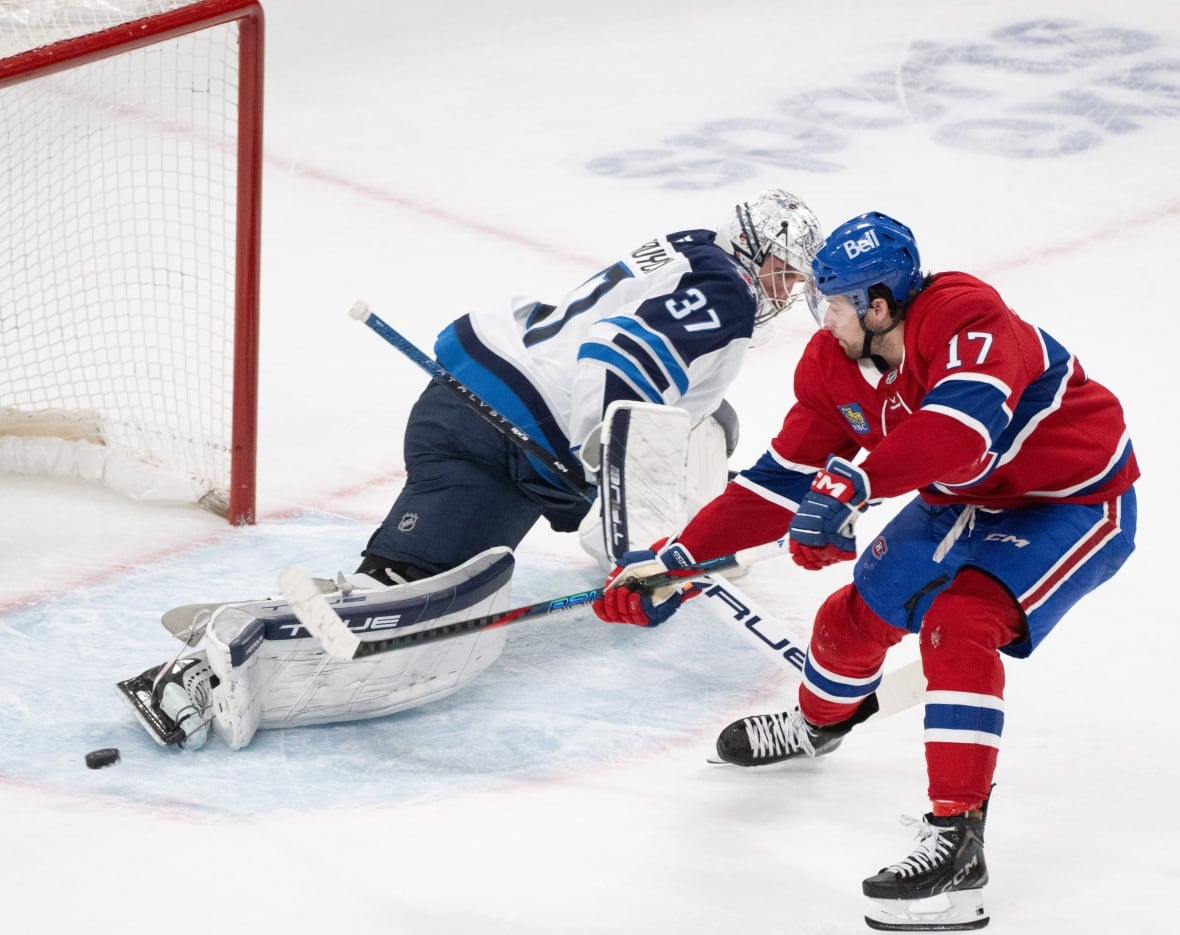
460 496
1015 573
840 676
259 668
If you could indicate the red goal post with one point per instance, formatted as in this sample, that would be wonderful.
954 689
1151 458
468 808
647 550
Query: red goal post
129 245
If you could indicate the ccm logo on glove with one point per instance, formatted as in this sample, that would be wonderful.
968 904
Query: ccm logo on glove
822 531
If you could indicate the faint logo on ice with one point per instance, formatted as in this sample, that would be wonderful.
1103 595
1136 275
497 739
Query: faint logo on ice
1026 90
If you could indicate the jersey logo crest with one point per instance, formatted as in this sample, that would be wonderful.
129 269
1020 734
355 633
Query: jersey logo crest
855 416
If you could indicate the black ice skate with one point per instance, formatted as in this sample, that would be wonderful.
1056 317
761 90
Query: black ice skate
171 701
939 887
762 739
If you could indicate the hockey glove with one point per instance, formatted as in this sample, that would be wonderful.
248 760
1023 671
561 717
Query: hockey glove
626 601
822 531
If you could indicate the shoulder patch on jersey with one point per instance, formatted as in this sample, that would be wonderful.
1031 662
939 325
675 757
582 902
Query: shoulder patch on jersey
855 417
652 255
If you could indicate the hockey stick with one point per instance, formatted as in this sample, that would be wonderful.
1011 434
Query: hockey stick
898 690
312 609
361 312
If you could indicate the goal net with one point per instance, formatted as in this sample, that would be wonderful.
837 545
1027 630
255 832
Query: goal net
129 232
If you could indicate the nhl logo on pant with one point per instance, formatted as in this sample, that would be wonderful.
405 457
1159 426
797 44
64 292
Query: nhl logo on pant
407 522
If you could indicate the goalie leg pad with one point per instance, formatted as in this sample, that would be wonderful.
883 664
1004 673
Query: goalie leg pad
273 674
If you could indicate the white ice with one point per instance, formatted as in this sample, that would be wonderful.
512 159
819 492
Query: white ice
433 158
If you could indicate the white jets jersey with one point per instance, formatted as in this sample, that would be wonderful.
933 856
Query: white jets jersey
669 324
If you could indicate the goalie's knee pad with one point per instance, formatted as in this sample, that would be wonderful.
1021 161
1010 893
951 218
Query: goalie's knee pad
272 673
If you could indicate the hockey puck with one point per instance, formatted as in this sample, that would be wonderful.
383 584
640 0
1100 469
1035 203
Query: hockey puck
97 759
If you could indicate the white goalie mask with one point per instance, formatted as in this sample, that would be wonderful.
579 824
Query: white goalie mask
776 224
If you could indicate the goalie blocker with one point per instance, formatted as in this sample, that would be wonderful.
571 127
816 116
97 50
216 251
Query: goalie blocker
655 471
259 668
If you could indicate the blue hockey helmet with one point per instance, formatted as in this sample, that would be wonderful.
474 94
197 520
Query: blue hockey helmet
870 249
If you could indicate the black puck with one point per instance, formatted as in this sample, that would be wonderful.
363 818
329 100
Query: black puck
97 759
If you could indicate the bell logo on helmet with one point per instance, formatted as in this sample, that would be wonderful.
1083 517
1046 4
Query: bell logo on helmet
854 248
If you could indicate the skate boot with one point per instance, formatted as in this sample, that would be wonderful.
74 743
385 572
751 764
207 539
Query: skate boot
762 739
939 887
172 701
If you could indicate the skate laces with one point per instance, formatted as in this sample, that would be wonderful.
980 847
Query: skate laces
933 848
772 735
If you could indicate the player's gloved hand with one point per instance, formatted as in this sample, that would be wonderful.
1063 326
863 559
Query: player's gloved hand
625 602
822 531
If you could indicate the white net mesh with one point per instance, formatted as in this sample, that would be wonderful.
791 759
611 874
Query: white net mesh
28 25
117 239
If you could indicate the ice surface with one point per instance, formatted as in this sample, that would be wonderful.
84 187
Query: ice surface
431 159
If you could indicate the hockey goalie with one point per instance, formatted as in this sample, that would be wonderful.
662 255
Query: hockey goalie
624 379
257 667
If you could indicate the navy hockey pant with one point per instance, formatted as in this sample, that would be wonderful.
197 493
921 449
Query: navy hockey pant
468 488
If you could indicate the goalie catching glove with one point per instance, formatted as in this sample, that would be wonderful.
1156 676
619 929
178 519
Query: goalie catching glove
822 530
626 600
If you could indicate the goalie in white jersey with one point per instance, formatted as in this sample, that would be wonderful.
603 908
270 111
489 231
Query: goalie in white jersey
624 379
667 325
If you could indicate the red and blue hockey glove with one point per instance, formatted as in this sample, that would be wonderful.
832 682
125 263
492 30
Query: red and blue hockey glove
822 530
626 601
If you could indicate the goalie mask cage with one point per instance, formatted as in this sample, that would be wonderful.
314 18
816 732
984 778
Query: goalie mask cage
131 137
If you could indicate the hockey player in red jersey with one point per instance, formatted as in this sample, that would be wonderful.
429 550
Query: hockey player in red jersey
1024 475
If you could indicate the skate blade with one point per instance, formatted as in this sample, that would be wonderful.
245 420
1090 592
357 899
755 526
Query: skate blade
137 693
792 761
958 911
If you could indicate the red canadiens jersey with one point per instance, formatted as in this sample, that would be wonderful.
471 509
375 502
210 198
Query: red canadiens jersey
985 409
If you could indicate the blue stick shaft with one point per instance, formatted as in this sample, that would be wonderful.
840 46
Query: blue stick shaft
441 375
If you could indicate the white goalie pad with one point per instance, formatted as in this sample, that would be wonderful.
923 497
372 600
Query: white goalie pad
272 673
656 472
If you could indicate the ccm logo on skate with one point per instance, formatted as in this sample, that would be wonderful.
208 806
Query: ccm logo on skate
961 874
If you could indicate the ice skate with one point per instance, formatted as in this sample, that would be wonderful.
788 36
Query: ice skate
172 701
937 888
763 739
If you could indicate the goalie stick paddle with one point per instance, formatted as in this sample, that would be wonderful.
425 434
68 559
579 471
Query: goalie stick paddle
312 609
561 470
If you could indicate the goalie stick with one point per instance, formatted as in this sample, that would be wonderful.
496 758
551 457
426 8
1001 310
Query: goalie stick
561 470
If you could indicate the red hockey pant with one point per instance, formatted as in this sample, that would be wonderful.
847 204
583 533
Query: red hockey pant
959 639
